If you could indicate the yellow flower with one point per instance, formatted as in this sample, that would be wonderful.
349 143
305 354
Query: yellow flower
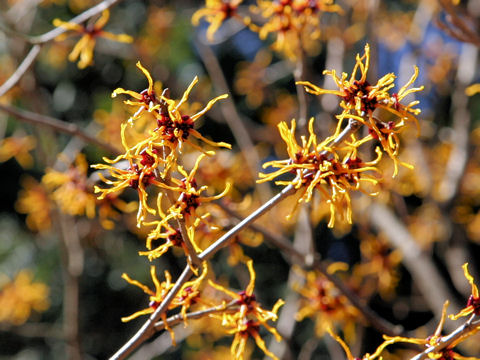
173 127
84 47
215 12
34 201
187 296
18 148
245 322
360 99
295 24
190 197
176 128
19 297
472 89
172 235
473 303
145 100
317 166
156 296
70 189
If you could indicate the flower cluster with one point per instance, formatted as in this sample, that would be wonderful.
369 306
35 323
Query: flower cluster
322 301
152 167
433 341
18 298
151 160
188 295
216 12
333 169
295 24
360 100
317 166
246 320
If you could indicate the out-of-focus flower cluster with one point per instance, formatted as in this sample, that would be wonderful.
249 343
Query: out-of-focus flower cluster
20 297
294 24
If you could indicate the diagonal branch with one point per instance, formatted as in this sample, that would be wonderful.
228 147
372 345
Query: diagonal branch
57 125
22 68
466 329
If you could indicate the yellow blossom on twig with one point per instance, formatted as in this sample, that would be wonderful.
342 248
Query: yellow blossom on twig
317 166
246 321
444 352
144 100
375 355
187 296
360 99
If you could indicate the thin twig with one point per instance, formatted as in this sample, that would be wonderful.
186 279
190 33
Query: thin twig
299 75
22 68
178 318
224 240
450 339
58 125
148 329
461 27
87 14
73 259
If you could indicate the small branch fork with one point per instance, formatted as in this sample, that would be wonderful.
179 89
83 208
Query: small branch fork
469 326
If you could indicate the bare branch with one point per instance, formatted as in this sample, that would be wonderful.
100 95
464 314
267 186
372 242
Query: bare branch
22 68
58 125
467 328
